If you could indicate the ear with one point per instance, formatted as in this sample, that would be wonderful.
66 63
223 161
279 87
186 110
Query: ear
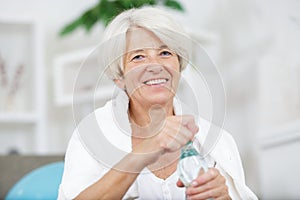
120 83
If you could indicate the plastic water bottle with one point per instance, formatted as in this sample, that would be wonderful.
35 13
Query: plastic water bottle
190 164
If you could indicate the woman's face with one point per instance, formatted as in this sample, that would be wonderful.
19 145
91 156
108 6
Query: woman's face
151 69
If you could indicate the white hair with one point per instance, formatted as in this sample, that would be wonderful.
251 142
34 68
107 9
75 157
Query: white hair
153 19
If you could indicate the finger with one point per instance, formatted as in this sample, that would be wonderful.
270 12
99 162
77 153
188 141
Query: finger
177 139
203 178
176 128
213 193
219 181
186 120
174 134
189 122
184 135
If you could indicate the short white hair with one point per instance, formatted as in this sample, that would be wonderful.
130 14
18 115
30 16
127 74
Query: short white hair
156 20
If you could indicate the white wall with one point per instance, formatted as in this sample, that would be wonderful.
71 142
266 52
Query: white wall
255 45
52 16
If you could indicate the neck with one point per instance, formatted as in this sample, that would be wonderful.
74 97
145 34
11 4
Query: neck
145 115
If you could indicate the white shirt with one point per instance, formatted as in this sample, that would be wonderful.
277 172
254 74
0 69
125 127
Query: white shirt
100 141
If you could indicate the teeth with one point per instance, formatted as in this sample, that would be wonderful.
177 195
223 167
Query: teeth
155 81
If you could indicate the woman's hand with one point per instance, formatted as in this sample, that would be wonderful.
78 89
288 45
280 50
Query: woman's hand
210 184
164 136
176 132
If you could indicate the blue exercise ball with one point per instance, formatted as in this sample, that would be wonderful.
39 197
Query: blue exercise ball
41 183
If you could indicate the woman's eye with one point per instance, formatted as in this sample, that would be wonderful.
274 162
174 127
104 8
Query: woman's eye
166 53
137 57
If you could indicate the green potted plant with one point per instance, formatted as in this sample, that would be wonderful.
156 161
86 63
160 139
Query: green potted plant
105 10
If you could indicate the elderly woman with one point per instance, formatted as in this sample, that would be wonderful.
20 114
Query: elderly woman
145 56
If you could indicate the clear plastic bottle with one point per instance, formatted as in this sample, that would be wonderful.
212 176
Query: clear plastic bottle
190 164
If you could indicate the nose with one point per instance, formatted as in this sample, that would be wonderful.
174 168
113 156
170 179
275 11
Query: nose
154 68
152 57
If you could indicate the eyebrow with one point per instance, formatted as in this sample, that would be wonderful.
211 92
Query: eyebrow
164 47
135 51
141 50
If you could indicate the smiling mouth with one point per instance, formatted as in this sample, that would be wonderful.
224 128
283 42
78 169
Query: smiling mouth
156 81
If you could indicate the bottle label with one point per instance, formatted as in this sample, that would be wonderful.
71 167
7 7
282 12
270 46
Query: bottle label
188 153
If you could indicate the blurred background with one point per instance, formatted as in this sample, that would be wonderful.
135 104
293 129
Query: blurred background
255 45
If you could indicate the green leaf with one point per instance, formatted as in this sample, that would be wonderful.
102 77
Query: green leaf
127 4
173 4
88 19
70 27
105 10
140 3
108 10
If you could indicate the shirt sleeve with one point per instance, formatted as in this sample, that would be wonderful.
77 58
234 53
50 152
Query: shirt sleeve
80 170
232 168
